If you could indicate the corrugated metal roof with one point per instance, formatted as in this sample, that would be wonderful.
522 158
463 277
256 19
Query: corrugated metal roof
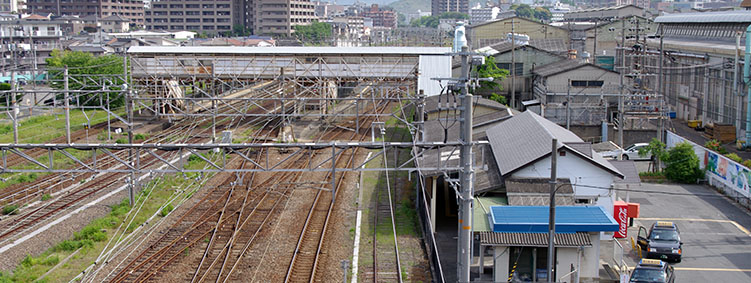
582 147
571 240
288 50
706 17
534 219
526 137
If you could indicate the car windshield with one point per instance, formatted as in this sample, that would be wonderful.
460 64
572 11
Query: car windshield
647 275
664 235
630 147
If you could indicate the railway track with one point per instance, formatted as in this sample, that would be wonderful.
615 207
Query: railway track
386 263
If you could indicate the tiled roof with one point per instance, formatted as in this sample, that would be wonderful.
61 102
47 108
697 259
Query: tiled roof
628 168
536 192
579 239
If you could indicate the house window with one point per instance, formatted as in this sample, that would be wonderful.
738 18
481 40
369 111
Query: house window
583 201
587 83
507 66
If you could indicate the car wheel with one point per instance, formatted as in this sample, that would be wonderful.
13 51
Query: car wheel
625 157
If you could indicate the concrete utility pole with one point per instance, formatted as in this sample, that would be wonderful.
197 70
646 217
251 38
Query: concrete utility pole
568 105
621 119
661 91
14 107
551 217
467 189
513 66
739 104
67 103
129 110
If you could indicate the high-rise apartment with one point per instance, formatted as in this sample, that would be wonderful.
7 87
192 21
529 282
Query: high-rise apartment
439 7
12 6
221 16
131 10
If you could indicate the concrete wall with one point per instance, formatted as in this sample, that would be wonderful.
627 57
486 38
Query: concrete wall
566 260
559 83
500 264
590 260
594 134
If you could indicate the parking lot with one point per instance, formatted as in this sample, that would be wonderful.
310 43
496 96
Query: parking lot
714 231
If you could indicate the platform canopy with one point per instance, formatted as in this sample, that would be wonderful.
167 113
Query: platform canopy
534 219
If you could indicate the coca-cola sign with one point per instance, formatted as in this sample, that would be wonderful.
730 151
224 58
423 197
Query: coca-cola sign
621 216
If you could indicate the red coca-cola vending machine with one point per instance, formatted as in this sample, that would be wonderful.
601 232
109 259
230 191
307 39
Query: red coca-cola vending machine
620 213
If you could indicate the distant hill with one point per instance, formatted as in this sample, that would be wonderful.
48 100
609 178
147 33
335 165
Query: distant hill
410 6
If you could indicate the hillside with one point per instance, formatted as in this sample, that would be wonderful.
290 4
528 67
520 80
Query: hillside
410 6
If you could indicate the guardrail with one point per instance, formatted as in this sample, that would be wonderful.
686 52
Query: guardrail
618 257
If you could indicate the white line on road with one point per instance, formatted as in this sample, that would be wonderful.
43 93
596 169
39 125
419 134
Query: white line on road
739 226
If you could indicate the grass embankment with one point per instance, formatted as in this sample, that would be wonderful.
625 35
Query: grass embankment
159 197
42 129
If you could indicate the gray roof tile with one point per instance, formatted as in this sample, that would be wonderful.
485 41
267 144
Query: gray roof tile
579 239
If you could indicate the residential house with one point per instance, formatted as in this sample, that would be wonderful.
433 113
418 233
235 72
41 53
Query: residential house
521 147
114 23
33 37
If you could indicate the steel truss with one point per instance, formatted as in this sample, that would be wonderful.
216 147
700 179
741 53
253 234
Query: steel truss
216 155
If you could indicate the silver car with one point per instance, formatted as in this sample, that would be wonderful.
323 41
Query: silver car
632 152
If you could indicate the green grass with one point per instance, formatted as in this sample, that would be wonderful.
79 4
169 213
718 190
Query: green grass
42 128
59 161
92 239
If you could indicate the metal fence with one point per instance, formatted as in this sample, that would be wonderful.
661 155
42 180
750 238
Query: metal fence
431 247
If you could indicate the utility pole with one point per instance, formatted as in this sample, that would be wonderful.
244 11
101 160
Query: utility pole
739 105
467 190
621 119
67 103
15 107
551 217
568 105
129 110
513 64
34 62
594 49
661 95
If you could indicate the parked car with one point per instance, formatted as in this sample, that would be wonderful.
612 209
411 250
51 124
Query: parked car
632 152
663 241
652 270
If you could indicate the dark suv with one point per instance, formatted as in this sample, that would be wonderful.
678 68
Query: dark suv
652 270
663 241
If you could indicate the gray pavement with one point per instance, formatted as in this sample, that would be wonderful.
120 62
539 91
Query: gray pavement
717 243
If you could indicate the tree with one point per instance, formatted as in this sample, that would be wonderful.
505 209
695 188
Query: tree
316 33
657 149
490 70
425 21
498 98
240 30
401 19
682 164
454 15
84 68
542 14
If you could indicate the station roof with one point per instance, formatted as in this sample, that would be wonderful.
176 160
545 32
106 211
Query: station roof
706 17
534 219
288 50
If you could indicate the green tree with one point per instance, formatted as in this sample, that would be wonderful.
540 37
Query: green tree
657 149
454 15
682 164
425 21
498 98
491 70
542 14
401 19
316 33
240 30
84 68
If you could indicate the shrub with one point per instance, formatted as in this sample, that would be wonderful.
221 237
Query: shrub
166 210
734 157
10 209
747 163
46 197
121 141
682 164
715 146
652 174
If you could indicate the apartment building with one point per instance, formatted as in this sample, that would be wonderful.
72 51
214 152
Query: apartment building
381 17
12 6
220 16
200 16
281 16
132 10
439 7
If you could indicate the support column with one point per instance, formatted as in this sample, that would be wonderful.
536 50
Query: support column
132 182
67 103
464 246
14 108
434 185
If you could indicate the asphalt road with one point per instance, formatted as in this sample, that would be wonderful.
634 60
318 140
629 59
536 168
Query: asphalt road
715 232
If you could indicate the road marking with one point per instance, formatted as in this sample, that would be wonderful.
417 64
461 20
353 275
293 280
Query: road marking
739 226
707 269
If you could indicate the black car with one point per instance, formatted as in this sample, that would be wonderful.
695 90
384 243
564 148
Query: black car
663 241
652 270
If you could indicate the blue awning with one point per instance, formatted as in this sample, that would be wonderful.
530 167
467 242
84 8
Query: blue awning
534 219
